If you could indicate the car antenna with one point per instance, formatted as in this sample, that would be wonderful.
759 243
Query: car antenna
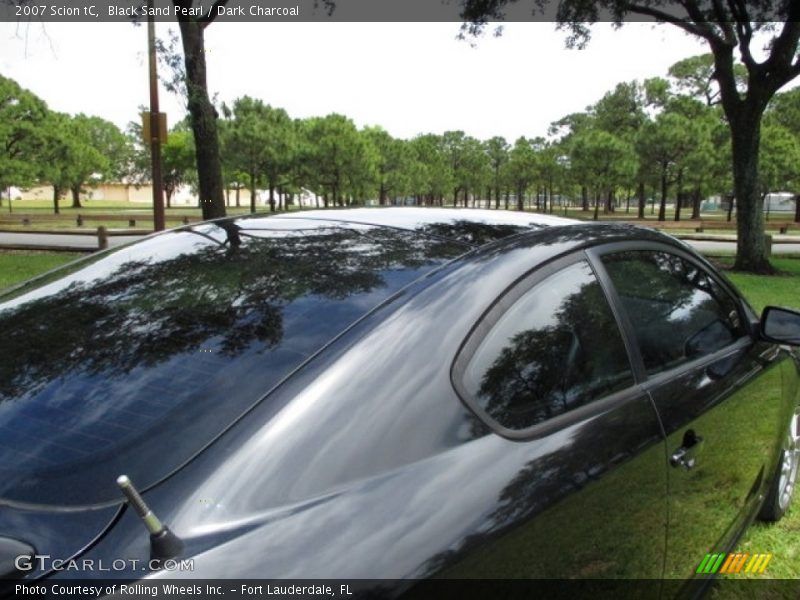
163 543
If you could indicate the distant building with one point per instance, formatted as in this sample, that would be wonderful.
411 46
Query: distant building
780 202
774 202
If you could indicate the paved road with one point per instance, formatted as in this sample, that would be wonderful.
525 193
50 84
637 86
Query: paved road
60 241
730 247
90 241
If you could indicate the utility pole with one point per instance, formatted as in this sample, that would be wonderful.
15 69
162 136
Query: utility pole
155 130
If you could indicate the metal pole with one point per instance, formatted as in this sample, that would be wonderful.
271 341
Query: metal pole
155 139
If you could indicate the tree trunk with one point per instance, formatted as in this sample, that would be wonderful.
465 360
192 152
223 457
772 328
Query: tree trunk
662 208
238 187
797 208
696 201
56 198
204 120
751 248
252 194
584 199
642 200
271 198
679 196
596 205
520 200
76 196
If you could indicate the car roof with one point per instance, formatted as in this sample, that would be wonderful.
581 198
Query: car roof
413 217
469 225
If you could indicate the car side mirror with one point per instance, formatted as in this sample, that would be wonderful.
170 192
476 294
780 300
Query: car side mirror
781 325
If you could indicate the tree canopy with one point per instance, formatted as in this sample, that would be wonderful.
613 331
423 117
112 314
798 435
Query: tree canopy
730 28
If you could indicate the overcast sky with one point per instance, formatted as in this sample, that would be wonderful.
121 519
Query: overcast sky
409 78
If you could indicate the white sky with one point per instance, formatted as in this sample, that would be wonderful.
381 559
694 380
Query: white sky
409 78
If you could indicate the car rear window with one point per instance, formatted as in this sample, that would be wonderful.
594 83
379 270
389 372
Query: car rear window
133 361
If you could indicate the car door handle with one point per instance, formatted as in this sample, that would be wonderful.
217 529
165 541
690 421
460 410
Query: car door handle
686 455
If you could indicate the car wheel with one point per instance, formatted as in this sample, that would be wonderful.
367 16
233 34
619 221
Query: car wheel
782 489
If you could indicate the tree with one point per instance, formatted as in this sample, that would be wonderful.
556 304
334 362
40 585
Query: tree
98 149
280 151
603 160
467 162
22 119
454 145
780 160
564 131
695 76
728 27
621 112
56 157
177 160
246 137
191 74
665 143
497 149
392 158
337 157
784 110
431 172
521 168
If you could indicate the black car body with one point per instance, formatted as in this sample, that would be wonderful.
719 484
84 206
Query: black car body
392 394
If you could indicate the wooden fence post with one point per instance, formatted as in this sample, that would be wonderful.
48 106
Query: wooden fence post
102 237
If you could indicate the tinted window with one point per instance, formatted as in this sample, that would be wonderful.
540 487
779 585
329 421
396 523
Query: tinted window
555 349
677 310
132 361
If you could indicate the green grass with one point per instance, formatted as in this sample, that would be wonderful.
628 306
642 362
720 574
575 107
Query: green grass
782 289
17 266
781 539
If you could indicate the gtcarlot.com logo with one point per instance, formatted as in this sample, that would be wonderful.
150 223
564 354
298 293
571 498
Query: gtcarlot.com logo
44 562
734 563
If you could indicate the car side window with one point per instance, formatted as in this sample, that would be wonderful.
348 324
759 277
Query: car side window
556 348
677 310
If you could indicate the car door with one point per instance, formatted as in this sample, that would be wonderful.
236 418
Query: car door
717 392
547 369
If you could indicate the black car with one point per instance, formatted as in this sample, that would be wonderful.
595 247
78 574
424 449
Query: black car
390 394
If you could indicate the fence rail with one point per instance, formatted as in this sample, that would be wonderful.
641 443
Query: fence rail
81 218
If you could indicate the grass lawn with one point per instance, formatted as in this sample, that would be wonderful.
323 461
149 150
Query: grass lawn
781 539
17 266
782 289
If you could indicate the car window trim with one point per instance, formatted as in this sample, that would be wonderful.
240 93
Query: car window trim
486 323
596 254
